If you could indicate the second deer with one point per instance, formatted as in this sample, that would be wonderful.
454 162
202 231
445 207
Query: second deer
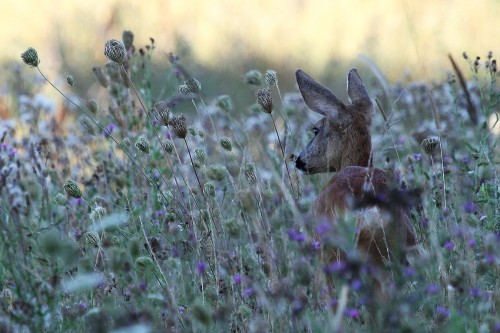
342 144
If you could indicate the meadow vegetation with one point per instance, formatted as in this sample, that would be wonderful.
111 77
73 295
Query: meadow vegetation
124 214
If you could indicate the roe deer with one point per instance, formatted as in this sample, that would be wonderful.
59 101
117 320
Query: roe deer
342 144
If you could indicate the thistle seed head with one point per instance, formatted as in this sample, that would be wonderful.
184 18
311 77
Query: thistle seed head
92 238
430 144
271 77
253 77
226 143
30 57
183 89
60 200
179 126
115 51
142 144
264 99
72 189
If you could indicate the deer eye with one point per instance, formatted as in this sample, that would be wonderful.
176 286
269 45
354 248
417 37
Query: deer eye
315 130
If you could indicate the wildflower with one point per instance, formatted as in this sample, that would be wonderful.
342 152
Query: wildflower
144 263
335 268
449 245
316 245
225 143
60 200
237 278
442 311
201 268
178 124
30 57
142 144
253 77
264 99
248 292
72 189
115 51
352 313
430 144
464 54
168 146
469 207
216 172
271 78
471 243
295 235
92 238
193 85
432 289
200 155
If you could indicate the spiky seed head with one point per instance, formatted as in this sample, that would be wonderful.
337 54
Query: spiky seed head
168 146
72 189
162 113
179 126
494 66
128 40
183 89
142 144
224 103
226 143
30 57
253 77
193 85
271 77
60 200
200 155
430 144
70 80
209 189
264 99
92 238
100 76
115 51
250 172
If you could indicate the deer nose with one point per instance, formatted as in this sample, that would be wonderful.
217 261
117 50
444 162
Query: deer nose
299 164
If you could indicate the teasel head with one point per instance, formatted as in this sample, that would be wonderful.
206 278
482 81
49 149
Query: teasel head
264 99
30 57
178 124
430 144
72 189
115 51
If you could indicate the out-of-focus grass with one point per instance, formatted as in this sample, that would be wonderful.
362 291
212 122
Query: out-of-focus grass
174 231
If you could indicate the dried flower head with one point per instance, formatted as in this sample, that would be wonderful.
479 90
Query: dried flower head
216 172
179 126
86 124
264 99
226 143
250 172
253 77
115 51
72 189
209 190
60 200
162 113
142 144
183 89
224 103
128 40
200 155
464 54
70 80
168 146
271 77
30 57
92 238
193 85
100 76
493 67
430 144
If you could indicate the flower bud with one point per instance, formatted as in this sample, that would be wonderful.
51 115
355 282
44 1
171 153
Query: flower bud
30 57
226 143
224 103
72 189
271 77
142 144
253 77
209 190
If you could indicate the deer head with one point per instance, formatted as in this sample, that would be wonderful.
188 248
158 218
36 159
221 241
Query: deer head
342 136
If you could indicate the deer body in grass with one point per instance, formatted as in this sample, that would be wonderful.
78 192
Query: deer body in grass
342 144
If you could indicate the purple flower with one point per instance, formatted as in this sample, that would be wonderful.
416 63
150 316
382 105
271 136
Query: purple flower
449 245
82 305
12 152
201 268
424 222
417 157
237 278
465 160
352 313
432 289
316 245
442 311
336 267
409 272
248 292
168 135
182 309
323 228
469 207
474 292
295 235
109 129
489 258
356 284
472 243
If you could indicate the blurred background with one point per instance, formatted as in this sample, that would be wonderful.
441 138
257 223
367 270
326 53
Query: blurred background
220 40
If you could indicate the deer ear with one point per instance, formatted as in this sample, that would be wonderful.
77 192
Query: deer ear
356 89
319 98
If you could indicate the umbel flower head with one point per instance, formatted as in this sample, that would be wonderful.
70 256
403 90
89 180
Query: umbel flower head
178 124
264 99
30 57
115 51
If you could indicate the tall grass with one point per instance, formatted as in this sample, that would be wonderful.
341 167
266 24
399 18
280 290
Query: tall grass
127 216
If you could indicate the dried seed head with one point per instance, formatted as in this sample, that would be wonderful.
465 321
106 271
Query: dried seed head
250 172
113 70
193 85
209 189
264 99
178 124
92 238
30 57
72 189
100 76
60 200
115 51
200 155
226 143
70 80
126 141
271 77
162 113
128 40
430 144
224 103
253 77
142 144
168 146
183 89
